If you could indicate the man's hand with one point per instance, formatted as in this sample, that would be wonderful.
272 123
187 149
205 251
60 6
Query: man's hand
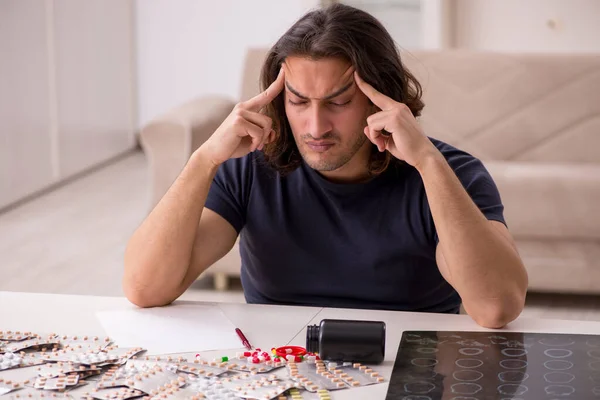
245 129
394 128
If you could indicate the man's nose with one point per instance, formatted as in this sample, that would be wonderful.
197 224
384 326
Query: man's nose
318 123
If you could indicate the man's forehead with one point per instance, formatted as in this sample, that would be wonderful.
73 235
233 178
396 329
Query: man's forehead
317 78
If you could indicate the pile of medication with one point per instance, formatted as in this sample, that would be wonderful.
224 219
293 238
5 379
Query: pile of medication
71 367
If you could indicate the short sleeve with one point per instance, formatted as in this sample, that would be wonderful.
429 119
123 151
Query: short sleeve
230 191
476 180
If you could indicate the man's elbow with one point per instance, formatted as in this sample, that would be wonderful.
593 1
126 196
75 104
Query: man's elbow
499 313
493 320
142 297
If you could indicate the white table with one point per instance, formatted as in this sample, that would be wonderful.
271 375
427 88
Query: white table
265 326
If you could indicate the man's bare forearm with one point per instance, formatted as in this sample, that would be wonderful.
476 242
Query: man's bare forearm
158 254
483 266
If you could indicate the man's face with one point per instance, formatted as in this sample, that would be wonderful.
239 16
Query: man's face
326 111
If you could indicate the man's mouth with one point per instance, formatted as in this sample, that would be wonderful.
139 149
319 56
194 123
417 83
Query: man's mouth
320 147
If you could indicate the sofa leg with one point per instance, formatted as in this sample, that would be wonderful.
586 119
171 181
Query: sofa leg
221 281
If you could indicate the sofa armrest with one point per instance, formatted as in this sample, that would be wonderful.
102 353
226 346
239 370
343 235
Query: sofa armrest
169 140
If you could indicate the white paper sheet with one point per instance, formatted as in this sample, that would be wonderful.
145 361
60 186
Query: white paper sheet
182 328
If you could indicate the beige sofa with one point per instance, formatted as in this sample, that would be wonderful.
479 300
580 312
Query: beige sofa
533 119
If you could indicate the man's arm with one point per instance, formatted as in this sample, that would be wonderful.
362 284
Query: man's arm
178 240
476 256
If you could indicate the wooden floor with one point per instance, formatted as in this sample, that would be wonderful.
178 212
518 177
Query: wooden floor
72 240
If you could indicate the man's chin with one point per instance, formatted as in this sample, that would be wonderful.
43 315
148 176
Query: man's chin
321 163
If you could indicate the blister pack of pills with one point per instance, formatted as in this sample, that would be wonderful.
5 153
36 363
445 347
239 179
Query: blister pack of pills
107 357
84 343
251 362
117 376
81 358
210 389
30 393
52 370
116 393
314 376
148 364
36 342
13 360
240 382
355 374
261 389
8 386
90 375
11 336
10 360
296 394
149 382
247 377
177 393
140 376
233 387
124 353
57 383
203 369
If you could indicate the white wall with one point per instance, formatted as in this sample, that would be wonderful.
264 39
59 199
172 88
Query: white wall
528 26
66 99
401 18
189 48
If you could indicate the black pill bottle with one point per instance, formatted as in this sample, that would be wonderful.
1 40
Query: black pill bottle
347 340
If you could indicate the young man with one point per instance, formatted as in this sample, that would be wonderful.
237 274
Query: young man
339 196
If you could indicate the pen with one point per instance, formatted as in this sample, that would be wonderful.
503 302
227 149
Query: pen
245 341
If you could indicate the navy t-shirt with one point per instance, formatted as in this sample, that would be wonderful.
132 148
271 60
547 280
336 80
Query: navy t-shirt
307 241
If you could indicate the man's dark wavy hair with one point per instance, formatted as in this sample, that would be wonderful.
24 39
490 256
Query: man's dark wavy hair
337 31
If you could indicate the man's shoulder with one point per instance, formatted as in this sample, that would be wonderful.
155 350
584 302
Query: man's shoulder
247 172
447 149
454 156
250 164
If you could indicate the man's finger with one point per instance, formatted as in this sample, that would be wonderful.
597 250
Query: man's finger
258 119
379 99
382 140
255 133
265 140
270 137
380 122
376 138
264 98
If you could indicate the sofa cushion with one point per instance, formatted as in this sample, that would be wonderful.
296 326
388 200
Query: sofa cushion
561 265
557 200
512 106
